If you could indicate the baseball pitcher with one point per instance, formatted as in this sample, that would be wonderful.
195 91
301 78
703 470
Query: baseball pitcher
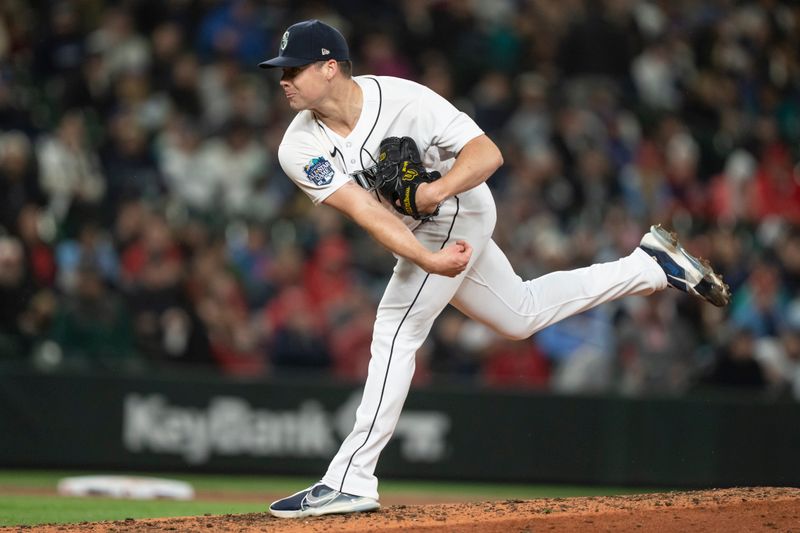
409 168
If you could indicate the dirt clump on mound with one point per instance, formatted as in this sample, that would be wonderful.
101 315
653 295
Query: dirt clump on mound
723 510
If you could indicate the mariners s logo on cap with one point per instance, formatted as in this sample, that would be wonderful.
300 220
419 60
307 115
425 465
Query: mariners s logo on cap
311 40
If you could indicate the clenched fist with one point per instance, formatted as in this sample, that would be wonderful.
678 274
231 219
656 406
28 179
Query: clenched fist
450 261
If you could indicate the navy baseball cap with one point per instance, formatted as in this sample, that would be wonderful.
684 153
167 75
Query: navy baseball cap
307 42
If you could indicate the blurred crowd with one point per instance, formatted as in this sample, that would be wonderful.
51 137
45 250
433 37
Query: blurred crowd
145 222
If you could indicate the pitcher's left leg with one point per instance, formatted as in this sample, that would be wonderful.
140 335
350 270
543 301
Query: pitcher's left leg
412 301
404 319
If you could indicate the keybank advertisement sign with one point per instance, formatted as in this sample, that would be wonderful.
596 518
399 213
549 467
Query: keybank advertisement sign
231 426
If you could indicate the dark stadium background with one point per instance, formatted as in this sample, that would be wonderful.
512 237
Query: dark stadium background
148 232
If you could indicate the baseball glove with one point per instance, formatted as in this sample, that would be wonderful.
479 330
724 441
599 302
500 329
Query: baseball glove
397 175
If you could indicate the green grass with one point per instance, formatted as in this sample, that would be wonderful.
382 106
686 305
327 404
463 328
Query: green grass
497 491
31 510
16 509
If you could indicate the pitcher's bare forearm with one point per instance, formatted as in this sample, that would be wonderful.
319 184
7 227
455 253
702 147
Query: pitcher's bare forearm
390 232
476 162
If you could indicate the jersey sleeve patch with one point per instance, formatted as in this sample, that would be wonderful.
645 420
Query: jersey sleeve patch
319 171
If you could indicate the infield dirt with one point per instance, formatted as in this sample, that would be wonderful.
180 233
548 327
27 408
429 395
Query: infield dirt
736 510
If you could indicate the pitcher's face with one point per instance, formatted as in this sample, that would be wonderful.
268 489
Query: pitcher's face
305 86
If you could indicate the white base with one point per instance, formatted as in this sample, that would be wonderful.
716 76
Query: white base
136 488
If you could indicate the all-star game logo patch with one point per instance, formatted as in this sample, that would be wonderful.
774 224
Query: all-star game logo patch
319 171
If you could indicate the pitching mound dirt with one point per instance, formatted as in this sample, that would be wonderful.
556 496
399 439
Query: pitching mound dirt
726 510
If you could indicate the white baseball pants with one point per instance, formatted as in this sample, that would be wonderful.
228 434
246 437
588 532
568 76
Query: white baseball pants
488 291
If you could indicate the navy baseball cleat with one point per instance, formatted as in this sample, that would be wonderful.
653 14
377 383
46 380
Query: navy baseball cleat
684 271
320 499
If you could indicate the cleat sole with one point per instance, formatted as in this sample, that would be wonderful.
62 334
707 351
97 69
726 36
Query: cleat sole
712 287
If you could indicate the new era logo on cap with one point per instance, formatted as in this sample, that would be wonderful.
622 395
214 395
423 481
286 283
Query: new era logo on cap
307 42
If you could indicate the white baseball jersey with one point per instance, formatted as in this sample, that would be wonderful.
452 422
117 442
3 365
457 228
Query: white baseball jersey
320 161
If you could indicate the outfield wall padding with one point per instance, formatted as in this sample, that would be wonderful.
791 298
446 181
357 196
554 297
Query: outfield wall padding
211 424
